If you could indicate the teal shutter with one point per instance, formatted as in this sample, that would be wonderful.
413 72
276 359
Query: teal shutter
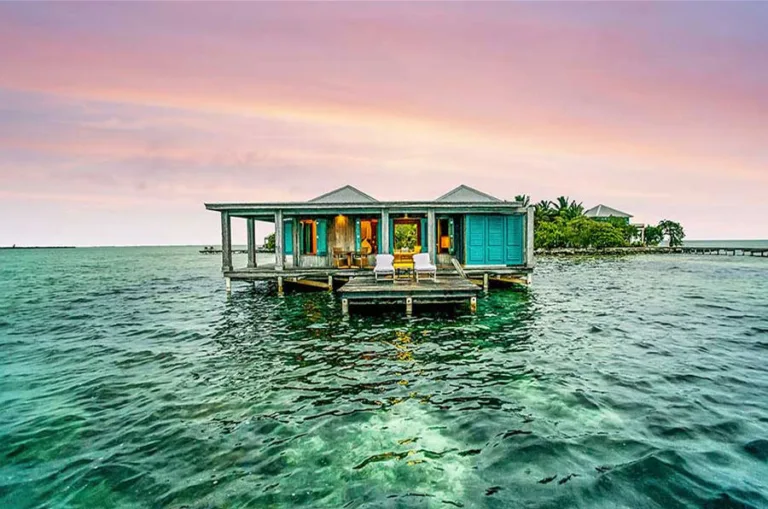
423 228
378 236
452 235
288 236
495 241
475 228
391 235
513 252
357 234
322 237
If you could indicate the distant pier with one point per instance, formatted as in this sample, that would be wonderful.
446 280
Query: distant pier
689 250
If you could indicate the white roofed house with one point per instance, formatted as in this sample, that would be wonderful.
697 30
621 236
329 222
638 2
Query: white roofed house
604 212
339 234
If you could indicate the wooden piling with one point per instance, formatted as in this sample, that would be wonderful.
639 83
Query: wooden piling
409 306
279 285
345 306
473 304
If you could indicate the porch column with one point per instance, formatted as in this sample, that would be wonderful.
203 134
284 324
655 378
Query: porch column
384 241
226 242
279 241
431 236
295 232
251 225
529 261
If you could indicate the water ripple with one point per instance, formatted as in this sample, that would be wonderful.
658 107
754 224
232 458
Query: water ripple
614 382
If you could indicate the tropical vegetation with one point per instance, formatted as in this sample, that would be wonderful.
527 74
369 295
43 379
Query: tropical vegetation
561 224
269 242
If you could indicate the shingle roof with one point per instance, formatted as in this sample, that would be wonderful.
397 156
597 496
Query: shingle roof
346 194
605 211
466 194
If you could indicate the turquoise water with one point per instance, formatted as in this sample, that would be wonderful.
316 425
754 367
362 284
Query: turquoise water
128 379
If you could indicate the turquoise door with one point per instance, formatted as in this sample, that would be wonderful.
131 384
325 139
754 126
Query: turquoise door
494 250
494 240
322 237
288 236
514 240
476 240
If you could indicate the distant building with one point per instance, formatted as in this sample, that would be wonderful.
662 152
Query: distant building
605 212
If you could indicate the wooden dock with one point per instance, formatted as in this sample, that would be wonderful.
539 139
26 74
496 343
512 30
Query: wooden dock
727 251
364 290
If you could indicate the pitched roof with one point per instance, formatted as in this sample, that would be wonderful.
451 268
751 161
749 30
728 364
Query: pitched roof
605 211
346 194
466 194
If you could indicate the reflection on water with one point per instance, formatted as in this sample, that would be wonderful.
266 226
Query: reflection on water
612 383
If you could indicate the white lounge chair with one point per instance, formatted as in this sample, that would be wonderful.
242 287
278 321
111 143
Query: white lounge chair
421 265
384 266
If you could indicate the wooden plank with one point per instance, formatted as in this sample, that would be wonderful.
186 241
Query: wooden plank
226 242
309 283
459 269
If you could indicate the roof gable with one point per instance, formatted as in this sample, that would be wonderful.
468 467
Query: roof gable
466 194
605 211
346 194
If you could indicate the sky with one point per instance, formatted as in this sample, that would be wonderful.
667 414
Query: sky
119 120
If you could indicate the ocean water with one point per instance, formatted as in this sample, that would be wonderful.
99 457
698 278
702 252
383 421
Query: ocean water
128 379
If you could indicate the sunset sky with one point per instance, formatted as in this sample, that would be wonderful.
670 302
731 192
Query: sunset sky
117 121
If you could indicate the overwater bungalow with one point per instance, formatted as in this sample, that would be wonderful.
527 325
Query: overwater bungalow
465 232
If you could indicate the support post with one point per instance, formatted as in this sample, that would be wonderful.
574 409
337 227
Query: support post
279 285
330 283
529 238
251 226
431 236
226 242
344 306
486 283
228 284
385 233
473 304
409 306
279 241
295 232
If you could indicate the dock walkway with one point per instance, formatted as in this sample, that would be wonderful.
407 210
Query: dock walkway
364 290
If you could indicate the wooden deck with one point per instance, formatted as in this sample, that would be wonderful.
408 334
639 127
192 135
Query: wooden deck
447 289
268 272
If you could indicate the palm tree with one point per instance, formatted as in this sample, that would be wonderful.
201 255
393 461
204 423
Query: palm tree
561 204
524 199
673 231
574 210
567 208
543 211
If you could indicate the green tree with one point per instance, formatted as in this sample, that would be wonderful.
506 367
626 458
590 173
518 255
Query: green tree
543 212
628 231
269 242
605 235
567 208
673 231
653 235
524 199
580 232
406 236
549 235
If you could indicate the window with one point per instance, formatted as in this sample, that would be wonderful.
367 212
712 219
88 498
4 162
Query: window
309 237
444 236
